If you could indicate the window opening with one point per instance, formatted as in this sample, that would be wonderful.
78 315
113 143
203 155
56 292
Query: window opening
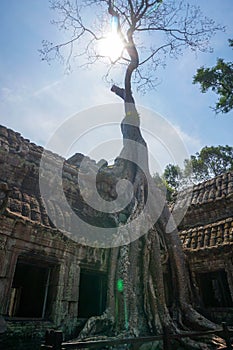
92 294
29 293
214 289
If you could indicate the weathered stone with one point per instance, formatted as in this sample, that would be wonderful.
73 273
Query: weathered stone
27 234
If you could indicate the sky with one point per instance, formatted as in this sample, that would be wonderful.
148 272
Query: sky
36 98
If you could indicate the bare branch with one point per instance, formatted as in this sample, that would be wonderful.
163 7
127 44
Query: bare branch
154 53
174 25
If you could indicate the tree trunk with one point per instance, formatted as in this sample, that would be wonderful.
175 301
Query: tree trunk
140 308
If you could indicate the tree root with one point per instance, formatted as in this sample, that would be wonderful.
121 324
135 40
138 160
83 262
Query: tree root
101 326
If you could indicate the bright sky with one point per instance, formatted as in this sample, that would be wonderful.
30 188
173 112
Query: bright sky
35 98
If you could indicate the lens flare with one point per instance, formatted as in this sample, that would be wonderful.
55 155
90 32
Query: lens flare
111 46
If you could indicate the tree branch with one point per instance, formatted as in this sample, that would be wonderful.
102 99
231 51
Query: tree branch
183 26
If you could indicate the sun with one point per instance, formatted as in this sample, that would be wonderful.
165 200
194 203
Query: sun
111 46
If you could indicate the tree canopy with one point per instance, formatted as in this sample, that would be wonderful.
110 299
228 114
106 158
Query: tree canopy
172 175
211 161
220 80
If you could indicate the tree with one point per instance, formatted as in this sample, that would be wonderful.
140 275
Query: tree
220 80
168 26
169 181
138 264
210 162
172 174
164 185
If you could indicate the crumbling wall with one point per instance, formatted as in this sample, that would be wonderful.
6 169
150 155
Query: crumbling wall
28 235
206 233
26 232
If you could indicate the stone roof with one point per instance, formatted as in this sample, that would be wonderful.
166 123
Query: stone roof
213 190
19 180
207 223
213 235
209 201
19 170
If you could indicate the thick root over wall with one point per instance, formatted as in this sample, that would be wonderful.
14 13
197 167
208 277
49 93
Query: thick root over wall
140 308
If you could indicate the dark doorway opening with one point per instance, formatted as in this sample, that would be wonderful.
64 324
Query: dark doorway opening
214 289
92 294
29 291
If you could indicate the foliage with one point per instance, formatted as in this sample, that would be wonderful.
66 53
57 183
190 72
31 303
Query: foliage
170 181
172 175
164 186
209 162
220 80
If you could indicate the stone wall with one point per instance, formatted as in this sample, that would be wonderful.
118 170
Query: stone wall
206 233
27 234
210 201
21 239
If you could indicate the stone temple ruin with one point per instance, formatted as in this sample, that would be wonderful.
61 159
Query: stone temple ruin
49 281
